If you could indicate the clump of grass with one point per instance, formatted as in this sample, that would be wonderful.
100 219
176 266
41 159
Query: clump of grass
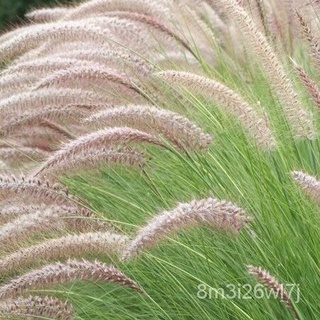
225 73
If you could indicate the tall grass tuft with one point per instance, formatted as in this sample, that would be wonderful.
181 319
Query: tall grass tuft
118 101
300 120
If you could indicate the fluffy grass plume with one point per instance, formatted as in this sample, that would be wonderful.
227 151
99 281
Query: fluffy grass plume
30 37
309 85
220 215
37 221
119 58
257 125
26 119
45 65
43 190
102 157
86 77
31 100
300 119
308 183
47 14
177 129
11 212
34 307
70 246
19 153
96 140
274 286
94 7
72 270
312 40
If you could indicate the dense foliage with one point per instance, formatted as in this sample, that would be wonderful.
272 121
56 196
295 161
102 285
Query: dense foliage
159 159
12 12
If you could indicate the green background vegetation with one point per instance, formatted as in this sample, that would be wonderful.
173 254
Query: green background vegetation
12 11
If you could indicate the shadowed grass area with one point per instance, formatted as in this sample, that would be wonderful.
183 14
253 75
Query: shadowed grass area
12 12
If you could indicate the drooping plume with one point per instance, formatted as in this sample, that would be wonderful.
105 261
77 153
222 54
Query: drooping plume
95 158
176 128
308 183
36 307
59 273
257 125
70 246
219 215
97 140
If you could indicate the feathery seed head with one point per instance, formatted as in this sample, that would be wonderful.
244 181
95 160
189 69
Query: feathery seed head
308 183
19 121
300 120
273 285
120 57
310 85
34 306
26 223
62 31
51 96
96 158
91 76
94 7
47 14
95 141
59 273
37 189
257 125
71 246
220 215
177 129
